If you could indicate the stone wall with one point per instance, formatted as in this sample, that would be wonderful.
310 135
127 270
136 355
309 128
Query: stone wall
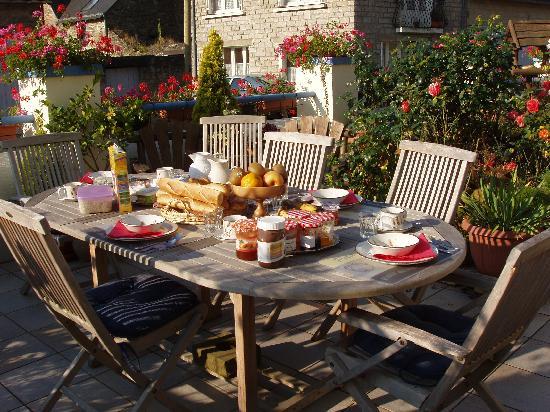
18 12
141 18
508 10
150 69
262 24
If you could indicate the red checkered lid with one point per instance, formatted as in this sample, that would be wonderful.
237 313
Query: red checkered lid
298 214
309 223
291 224
323 216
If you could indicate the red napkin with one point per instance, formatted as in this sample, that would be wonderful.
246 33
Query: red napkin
87 179
350 199
422 251
120 231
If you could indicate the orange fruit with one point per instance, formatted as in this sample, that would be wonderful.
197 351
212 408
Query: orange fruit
252 180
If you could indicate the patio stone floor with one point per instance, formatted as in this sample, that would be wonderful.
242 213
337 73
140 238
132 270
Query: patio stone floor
35 350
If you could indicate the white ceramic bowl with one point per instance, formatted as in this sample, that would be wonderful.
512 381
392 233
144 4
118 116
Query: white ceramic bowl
330 195
392 244
141 223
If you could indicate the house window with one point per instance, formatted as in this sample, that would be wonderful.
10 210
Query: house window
236 60
223 6
386 49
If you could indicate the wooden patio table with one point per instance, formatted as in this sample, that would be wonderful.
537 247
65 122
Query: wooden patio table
336 273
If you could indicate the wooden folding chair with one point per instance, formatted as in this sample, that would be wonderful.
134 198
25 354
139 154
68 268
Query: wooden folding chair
429 178
166 142
39 163
522 288
28 236
304 157
237 138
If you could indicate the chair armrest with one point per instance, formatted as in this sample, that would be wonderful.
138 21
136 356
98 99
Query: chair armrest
393 329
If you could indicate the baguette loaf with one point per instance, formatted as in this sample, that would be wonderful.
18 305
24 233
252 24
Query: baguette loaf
212 193
184 204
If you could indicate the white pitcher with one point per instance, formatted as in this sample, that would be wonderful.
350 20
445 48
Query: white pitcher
219 170
200 167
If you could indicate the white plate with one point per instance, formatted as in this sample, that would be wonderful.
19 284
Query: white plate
359 200
364 249
405 228
167 229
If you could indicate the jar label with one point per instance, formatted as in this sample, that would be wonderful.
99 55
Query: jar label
269 252
308 242
290 245
245 244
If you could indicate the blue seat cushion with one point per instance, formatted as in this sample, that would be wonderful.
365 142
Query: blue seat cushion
415 364
135 306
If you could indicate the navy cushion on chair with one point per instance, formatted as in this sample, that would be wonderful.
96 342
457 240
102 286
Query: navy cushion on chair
138 305
415 364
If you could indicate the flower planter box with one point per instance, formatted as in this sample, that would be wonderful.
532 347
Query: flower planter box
490 249
339 81
56 89
8 132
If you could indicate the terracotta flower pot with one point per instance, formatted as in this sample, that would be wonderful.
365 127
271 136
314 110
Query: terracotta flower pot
491 249
8 131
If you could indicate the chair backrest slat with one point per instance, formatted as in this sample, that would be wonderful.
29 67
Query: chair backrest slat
42 162
27 235
521 289
163 141
237 138
430 178
303 155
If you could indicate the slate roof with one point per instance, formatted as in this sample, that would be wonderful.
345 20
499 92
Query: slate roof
88 8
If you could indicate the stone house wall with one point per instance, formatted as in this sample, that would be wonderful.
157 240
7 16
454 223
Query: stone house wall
18 12
509 10
141 18
262 25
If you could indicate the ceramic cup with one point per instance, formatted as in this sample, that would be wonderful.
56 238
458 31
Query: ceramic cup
392 218
164 172
228 222
68 191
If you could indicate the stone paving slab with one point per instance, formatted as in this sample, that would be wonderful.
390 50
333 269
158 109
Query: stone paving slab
34 350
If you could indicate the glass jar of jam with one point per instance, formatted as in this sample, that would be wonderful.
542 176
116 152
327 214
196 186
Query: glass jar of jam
309 238
326 228
292 240
335 211
246 234
271 241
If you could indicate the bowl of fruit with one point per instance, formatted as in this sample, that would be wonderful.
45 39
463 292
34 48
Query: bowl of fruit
258 183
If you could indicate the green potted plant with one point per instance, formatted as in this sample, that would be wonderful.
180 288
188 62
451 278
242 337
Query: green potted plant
501 214
214 97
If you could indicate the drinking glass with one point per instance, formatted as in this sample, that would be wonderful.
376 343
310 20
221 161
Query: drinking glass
213 223
274 204
367 224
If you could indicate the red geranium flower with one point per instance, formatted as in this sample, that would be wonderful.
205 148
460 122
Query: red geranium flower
532 105
512 114
405 106
434 89
520 120
61 8
510 166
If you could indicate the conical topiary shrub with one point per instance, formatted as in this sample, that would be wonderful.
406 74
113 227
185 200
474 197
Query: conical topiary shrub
214 96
